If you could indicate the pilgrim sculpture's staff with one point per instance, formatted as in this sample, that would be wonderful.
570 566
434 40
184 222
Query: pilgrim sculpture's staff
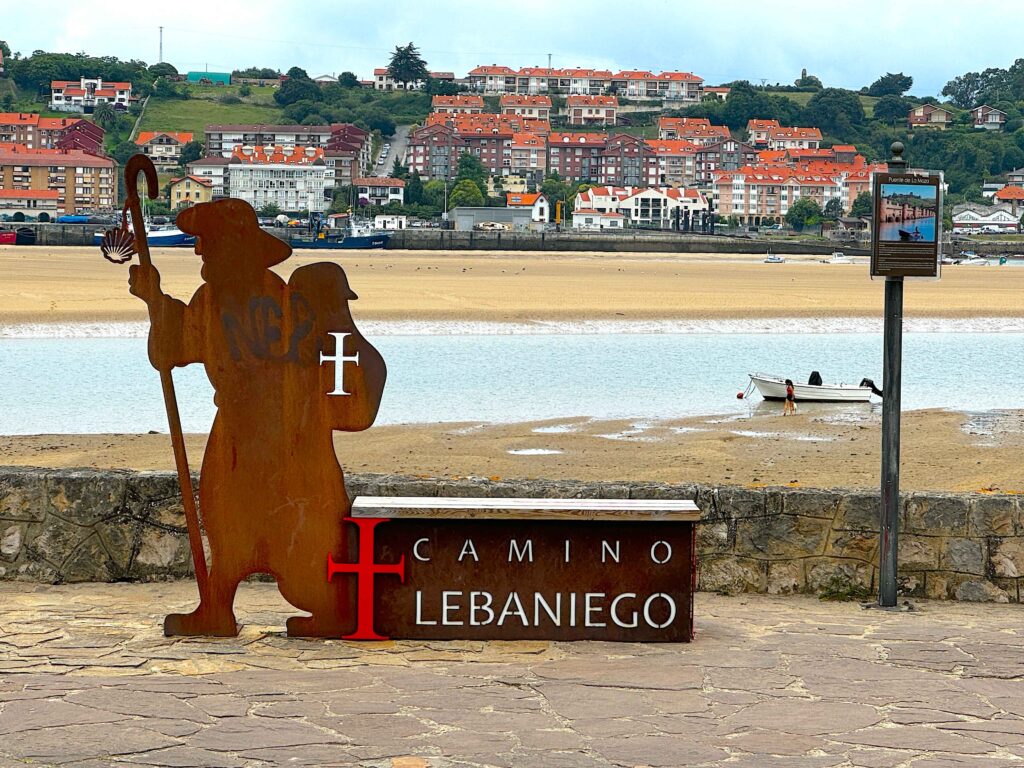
271 489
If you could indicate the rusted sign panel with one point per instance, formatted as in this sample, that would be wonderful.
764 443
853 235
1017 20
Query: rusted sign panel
511 579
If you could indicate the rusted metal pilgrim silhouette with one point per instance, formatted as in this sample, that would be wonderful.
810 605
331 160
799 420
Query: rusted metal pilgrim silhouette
289 367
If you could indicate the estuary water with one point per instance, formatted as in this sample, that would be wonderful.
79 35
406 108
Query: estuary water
100 381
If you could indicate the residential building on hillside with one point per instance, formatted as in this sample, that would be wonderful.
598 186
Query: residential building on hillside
720 92
724 155
930 116
682 87
576 156
190 190
215 169
528 157
698 130
163 147
466 125
434 151
1016 176
676 161
83 182
382 81
84 94
379 190
292 178
325 79
40 204
540 208
987 117
759 131
536 107
968 217
461 104
627 161
37 132
793 138
224 139
592 110
661 208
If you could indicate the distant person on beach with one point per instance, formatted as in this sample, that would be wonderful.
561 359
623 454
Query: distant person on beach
789 406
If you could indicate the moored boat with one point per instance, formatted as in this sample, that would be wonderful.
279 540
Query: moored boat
8 237
158 237
838 257
774 388
774 258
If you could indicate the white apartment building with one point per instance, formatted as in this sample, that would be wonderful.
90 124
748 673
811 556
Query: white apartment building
85 94
292 178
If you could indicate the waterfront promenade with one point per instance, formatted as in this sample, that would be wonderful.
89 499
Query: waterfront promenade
87 680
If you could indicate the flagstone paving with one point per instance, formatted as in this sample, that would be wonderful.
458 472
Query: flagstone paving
88 680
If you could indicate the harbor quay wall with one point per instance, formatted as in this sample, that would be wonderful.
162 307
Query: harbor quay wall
59 526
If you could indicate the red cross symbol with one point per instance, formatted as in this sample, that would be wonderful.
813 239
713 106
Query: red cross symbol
365 570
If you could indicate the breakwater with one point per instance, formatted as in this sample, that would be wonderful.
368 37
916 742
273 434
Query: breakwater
60 526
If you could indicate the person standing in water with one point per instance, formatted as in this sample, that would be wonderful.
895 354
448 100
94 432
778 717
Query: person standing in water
789 406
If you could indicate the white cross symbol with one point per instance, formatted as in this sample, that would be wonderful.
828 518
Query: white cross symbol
339 358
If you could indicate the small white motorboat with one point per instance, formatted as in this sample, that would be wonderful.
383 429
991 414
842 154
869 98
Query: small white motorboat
975 261
774 388
774 258
838 257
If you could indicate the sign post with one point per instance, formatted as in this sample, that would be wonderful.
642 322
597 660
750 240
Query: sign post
905 243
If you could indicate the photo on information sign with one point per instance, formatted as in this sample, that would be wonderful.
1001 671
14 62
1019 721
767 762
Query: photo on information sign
908 213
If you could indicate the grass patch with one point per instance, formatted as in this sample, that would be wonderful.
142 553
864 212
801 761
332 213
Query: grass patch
195 114
842 590
259 94
802 97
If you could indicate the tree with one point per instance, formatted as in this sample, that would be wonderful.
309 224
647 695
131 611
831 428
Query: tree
414 189
297 89
835 110
105 116
805 212
433 193
340 199
891 84
833 209
963 90
471 169
191 152
314 119
269 210
245 90
436 87
399 171
892 109
5 48
162 69
164 89
863 206
123 151
297 73
465 192
554 189
348 80
407 66
7 102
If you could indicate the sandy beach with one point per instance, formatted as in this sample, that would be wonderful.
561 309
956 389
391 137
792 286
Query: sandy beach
818 447
76 284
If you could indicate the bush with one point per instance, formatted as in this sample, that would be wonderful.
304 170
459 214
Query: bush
229 98
245 91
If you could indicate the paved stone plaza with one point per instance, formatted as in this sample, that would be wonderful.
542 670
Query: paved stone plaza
88 680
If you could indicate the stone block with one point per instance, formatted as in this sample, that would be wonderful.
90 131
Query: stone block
399 485
994 516
161 554
731 575
712 538
1007 559
942 585
785 577
662 491
980 591
86 496
812 503
858 512
831 573
937 515
23 494
910 584
855 545
741 503
918 553
10 541
963 556
784 536
1010 586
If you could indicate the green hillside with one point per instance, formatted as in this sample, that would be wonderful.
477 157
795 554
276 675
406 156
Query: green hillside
195 114
802 97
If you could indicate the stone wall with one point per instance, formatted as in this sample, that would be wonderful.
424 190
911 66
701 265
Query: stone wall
86 525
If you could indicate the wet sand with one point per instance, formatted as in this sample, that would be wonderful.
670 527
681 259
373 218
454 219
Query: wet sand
822 446
56 285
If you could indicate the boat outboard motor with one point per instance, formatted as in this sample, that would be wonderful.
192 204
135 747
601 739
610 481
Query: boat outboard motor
869 383
815 379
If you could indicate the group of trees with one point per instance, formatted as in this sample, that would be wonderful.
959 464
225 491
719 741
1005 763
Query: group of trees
988 87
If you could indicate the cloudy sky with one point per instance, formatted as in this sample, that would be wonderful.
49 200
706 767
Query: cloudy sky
846 44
